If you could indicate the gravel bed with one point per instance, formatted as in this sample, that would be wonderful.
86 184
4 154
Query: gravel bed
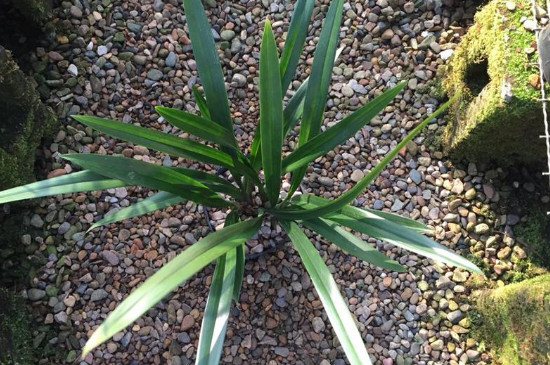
119 59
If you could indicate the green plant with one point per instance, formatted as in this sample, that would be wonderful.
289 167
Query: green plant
240 196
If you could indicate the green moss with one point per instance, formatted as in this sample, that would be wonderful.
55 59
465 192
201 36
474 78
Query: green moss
25 120
36 11
480 263
15 337
515 321
437 91
534 232
523 270
14 258
483 126
487 212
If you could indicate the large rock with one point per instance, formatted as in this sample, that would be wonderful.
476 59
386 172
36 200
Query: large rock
515 320
24 121
498 117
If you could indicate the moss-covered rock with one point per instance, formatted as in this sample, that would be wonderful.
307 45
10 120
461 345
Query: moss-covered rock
515 320
25 120
534 234
15 336
38 12
498 117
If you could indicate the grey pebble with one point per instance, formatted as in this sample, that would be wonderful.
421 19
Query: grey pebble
378 204
455 316
134 27
318 324
239 80
171 60
64 228
282 351
387 326
415 176
98 294
154 74
397 205
35 294
76 12
227 34
111 257
36 221
158 5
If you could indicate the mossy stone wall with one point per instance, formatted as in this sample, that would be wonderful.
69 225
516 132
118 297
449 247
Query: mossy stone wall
15 336
38 12
24 121
515 320
498 117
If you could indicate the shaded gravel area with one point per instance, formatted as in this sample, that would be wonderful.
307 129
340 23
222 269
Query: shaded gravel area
119 59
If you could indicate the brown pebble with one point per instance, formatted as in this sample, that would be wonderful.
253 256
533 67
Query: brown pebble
82 254
534 80
187 323
69 301
407 293
56 173
151 255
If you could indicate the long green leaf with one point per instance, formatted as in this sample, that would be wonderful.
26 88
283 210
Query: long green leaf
335 306
205 129
210 72
156 202
321 70
292 113
214 182
72 183
201 102
163 142
376 226
294 109
255 151
232 218
405 238
295 39
216 314
198 126
271 114
351 194
179 269
316 95
135 172
402 221
295 106
239 272
208 63
352 244
164 199
332 137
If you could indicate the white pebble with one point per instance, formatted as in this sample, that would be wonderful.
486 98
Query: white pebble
72 70
446 54
101 50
